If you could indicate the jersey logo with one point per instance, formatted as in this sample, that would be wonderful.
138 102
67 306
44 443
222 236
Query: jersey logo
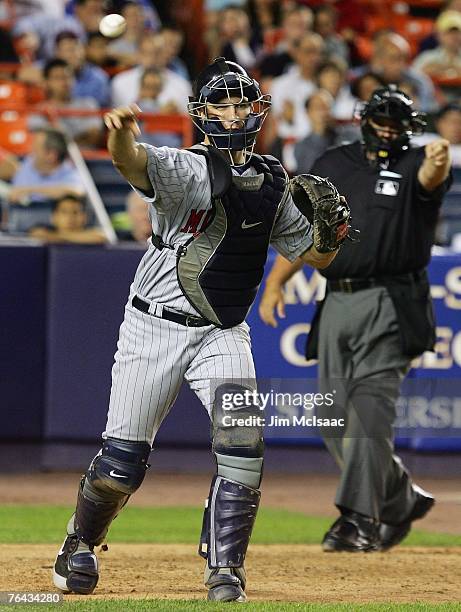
115 475
387 187
197 218
390 174
246 226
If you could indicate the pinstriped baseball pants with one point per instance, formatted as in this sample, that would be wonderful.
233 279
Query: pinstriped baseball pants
154 356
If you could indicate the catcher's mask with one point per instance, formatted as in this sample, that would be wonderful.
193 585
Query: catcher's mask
389 107
220 81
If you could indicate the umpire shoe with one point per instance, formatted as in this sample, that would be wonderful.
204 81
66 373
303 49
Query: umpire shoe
391 535
352 532
76 566
226 584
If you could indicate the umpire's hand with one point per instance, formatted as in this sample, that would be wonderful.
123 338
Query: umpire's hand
272 300
123 117
438 152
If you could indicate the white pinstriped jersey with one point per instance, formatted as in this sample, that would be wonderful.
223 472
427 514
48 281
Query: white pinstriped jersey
179 208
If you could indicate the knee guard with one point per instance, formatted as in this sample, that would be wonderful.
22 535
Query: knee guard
238 448
228 521
237 422
114 474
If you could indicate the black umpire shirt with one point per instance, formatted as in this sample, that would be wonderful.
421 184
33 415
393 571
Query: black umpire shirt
395 215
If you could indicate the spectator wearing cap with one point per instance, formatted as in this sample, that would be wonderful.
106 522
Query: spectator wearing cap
151 54
90 81
431 41
59 84
445 60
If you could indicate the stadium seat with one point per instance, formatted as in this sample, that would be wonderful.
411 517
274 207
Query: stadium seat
21 218
414 30
11 91
14 135
112 187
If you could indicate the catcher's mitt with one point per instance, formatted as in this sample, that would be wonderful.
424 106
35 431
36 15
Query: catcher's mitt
319 201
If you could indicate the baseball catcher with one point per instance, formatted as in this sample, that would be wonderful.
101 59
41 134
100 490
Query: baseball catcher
215 209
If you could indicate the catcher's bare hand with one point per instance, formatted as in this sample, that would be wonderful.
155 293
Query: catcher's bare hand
438 152
272 301
123 117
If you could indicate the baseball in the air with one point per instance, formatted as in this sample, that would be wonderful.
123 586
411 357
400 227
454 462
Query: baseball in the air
112 25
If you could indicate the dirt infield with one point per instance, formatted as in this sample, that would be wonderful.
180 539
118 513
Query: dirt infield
278 573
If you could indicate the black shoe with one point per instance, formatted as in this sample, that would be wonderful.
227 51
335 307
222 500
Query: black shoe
352 532
76 567
391 535
226 585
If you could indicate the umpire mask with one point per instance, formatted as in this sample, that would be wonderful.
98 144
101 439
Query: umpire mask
390 108
222 85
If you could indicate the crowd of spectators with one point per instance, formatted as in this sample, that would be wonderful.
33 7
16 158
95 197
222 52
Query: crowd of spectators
318 60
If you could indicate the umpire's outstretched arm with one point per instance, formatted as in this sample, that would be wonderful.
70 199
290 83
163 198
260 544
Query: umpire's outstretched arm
272 301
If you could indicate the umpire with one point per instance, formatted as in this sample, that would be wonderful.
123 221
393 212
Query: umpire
377 314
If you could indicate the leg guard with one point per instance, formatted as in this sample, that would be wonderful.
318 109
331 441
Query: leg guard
227 523
114 474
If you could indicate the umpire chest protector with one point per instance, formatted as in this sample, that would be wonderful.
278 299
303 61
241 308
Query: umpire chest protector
220 269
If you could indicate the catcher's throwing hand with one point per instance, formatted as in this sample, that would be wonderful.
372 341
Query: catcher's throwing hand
328 212
272 300
123 117
438 152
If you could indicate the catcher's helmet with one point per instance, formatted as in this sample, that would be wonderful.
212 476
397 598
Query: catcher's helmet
393 107
217 82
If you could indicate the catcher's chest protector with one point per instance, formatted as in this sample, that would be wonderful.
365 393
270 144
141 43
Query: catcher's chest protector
220 269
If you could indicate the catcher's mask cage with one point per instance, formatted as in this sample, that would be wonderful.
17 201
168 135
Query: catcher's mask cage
396 109
223 80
